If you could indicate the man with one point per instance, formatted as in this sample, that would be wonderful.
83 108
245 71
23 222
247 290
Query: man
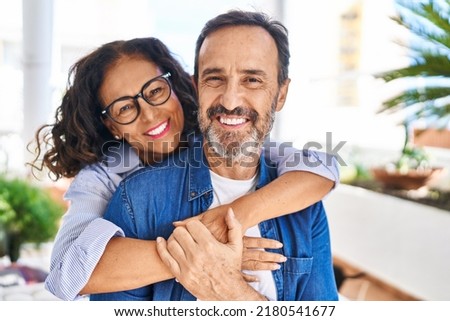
241 73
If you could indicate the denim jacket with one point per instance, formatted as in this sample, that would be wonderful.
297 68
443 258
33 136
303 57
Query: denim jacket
147 202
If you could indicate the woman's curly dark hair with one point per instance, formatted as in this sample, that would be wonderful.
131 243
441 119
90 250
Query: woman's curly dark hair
78 137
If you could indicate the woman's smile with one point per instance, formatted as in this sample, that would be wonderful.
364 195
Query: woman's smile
159 130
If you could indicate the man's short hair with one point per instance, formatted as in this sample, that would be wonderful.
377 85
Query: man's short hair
247 18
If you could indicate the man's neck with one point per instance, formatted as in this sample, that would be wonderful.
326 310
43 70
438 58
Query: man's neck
241 169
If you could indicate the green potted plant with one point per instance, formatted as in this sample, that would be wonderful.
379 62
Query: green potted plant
427 100
27 214
6 215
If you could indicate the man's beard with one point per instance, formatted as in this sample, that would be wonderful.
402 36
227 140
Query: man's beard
237 145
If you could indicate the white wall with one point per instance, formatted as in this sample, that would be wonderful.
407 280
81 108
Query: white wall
405 244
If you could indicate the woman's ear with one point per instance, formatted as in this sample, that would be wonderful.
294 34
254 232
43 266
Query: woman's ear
112 128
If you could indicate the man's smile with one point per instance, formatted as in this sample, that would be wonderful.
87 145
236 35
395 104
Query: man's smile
232 121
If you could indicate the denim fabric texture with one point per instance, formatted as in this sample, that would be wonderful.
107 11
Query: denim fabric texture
147 202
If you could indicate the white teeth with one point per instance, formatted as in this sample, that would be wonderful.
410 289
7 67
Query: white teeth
158 130
232 121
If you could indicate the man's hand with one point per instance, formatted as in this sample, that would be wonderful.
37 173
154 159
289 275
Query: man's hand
207 268
254 258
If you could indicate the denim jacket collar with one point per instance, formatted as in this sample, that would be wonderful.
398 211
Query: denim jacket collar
199 177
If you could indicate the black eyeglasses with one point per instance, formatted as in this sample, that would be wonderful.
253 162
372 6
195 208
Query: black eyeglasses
126 110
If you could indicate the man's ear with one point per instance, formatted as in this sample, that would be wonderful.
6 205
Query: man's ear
282 94
194 83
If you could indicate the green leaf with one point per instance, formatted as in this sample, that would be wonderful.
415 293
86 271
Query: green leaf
430 61
36 214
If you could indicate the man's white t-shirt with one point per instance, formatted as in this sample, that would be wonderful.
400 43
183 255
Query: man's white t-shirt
227 190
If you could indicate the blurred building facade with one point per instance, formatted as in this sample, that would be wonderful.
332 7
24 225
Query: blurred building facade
336 47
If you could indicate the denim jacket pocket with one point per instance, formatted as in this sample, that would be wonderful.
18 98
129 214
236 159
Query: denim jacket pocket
296 275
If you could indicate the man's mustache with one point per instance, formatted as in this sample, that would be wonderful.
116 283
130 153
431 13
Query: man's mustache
238 111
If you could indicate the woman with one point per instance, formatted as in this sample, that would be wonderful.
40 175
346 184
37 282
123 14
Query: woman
130 104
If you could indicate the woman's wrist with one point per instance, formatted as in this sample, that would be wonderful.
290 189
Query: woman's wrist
247 210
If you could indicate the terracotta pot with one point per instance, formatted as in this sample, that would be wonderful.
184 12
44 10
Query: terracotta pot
432 137
413 179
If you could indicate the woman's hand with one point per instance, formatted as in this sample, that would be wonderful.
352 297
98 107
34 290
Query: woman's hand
214 220
254 258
